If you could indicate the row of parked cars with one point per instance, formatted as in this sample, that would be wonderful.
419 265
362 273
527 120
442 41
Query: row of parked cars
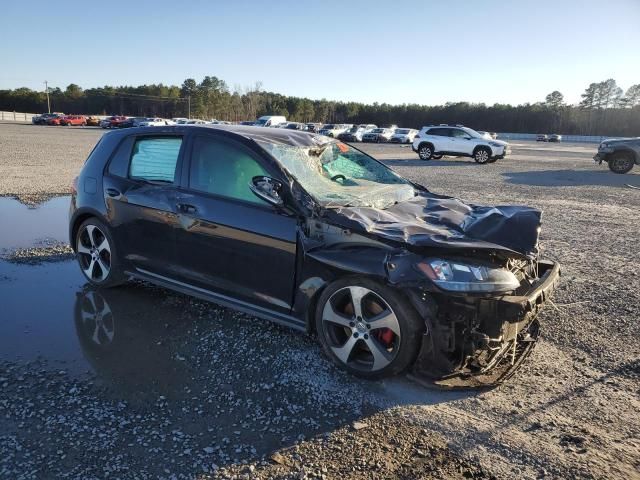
118 121
347 132
365 132
543 137
115 121
58 118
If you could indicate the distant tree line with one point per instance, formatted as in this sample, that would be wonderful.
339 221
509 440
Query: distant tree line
605 108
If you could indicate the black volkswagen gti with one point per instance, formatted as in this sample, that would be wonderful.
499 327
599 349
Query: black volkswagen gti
312 233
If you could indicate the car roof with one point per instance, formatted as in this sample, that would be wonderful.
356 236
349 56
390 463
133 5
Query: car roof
280 136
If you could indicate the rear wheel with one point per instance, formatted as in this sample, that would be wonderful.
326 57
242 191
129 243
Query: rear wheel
367 328
96 255
620 162
482 155
425 152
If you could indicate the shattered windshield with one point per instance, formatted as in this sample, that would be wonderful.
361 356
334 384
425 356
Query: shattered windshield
337 175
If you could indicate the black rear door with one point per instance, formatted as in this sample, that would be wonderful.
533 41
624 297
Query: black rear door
140 192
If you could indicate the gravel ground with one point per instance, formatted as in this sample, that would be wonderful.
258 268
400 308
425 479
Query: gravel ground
172 387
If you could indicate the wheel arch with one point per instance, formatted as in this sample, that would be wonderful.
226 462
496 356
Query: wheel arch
635 155
78 217
321 268
428 143
483 147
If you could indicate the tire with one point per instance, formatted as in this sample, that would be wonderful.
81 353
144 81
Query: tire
482 155
437 157
620 162
98 260
425 151
353 342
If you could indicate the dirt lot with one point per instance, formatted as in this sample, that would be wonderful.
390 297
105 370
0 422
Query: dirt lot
164 386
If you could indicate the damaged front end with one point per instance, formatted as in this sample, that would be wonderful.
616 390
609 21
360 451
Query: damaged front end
477 340
478 328
472 272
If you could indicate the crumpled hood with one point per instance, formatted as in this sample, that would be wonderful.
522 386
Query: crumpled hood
432 220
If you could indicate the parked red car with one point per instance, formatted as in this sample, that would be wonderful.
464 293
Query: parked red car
112 122
55 120
73 120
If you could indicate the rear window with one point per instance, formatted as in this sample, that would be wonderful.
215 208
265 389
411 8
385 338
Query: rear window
155 159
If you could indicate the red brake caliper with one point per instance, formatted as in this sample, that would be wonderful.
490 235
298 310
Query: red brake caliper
385 336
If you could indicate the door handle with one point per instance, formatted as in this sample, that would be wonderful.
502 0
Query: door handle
186 208
112 192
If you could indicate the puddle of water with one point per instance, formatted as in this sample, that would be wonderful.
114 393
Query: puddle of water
21 226
50 313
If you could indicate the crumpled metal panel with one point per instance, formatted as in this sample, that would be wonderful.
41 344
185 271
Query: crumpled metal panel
431 220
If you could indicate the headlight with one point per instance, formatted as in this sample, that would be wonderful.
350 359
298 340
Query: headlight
466 277
495 144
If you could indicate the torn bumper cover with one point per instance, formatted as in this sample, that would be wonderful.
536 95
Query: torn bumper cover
480 341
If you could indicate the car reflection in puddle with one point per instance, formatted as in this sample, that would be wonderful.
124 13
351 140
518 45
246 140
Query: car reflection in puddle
123 334
126 336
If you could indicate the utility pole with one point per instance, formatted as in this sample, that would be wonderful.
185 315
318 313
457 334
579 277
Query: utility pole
46 87
189 106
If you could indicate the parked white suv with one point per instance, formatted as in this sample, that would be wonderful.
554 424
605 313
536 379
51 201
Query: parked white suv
435 141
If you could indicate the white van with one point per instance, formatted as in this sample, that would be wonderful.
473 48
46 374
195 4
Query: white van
270 121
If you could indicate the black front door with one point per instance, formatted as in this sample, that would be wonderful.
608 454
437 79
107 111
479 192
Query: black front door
230 241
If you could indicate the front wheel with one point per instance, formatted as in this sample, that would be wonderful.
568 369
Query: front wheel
366 328
482 155
620 162
96 255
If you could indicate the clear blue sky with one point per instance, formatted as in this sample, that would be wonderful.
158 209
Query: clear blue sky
419 51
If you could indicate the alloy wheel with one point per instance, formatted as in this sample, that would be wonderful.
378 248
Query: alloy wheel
362 329
94 253
425 153
482 156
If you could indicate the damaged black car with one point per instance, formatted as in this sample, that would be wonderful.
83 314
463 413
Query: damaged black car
309 232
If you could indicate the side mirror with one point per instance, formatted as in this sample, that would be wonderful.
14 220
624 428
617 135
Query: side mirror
268 189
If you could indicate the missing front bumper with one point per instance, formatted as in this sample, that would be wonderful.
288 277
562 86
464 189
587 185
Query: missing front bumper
481 342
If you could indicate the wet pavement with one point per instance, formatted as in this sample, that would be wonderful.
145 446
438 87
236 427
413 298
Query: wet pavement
23 226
